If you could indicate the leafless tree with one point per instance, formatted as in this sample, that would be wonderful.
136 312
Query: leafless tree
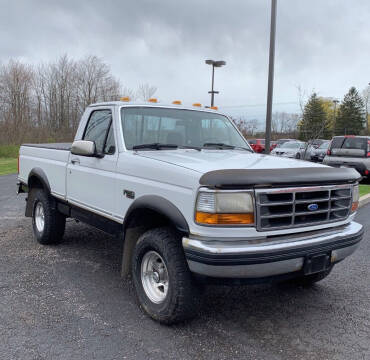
284 123
145 92
248 127
46 102
15 99
126 91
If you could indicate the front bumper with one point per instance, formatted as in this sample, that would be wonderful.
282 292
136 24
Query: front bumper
265 257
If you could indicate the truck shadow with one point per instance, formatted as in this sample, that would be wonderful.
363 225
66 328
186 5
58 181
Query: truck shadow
243 305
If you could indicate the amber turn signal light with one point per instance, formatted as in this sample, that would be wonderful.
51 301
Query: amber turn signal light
153 100
197 104
223 219
176 102
125 98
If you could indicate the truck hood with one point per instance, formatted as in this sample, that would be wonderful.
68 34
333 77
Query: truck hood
210 160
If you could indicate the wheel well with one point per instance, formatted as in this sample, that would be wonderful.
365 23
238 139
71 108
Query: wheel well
141 220
34 182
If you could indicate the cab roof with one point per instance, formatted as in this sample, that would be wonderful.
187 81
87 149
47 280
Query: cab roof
159 105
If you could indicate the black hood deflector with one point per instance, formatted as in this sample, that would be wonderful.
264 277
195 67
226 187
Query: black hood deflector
239 178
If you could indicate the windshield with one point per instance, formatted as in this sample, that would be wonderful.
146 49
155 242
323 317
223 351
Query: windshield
324 145
349 143
291 145
145 125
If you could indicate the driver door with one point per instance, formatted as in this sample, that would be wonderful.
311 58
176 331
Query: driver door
91 181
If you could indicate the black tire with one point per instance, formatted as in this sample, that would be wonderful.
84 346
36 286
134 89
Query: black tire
183 297
298 156
54 221
308 280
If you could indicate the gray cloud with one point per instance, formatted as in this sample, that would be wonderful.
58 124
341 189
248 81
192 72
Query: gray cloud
321 44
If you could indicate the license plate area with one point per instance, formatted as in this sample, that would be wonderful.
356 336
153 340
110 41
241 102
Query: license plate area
317 263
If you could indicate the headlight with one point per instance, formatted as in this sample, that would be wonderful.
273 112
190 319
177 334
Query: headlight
224 208
355 198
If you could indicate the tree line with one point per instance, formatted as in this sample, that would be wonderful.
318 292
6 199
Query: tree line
320 118
45 102
326 117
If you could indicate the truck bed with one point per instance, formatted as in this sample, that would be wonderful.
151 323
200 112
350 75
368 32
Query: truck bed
51 159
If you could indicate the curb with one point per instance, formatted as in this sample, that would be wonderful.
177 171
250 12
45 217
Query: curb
364 200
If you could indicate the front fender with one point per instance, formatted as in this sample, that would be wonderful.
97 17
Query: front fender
161 206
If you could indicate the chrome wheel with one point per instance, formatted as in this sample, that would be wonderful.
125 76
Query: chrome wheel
154 277
39 217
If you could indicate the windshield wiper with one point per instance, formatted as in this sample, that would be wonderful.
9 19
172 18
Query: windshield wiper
155 146
225 146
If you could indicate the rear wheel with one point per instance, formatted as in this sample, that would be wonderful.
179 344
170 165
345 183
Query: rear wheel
48 224
164 285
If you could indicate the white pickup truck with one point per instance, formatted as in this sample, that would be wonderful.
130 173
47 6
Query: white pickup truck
191 201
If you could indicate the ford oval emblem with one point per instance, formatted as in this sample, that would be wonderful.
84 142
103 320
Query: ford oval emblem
312 207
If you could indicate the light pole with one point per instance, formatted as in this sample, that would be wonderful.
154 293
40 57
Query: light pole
214 64
271 76
366 108
335 102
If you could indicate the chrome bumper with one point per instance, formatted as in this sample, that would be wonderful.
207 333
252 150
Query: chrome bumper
265 256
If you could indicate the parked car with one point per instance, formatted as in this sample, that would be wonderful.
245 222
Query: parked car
282 141
291 149
190 201
258 145
318 154
350 151
316 142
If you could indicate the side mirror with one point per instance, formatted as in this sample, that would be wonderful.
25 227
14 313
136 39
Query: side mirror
83 148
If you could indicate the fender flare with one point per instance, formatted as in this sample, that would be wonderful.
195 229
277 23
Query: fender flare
160 205
41 176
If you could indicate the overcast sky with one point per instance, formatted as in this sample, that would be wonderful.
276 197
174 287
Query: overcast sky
321 44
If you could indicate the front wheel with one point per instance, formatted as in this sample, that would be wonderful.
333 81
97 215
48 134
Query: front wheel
298 156
48 224
164 285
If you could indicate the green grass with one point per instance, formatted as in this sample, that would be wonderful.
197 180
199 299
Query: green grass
8 166
8 159
364 189
9 151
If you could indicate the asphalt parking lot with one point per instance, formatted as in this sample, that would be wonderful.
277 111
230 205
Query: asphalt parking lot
69 302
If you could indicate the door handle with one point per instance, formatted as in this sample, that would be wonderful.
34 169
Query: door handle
75 161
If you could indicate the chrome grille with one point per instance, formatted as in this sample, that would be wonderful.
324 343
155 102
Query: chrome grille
302 206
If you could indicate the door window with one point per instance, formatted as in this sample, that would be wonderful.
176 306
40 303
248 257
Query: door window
99 130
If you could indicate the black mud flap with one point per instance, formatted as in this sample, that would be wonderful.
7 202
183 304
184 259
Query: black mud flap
317 263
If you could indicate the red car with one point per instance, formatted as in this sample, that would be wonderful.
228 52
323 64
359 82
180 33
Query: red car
258 145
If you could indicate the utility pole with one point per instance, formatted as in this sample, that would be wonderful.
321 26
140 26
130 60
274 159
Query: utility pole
335 102
366 108
270 76
214 64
